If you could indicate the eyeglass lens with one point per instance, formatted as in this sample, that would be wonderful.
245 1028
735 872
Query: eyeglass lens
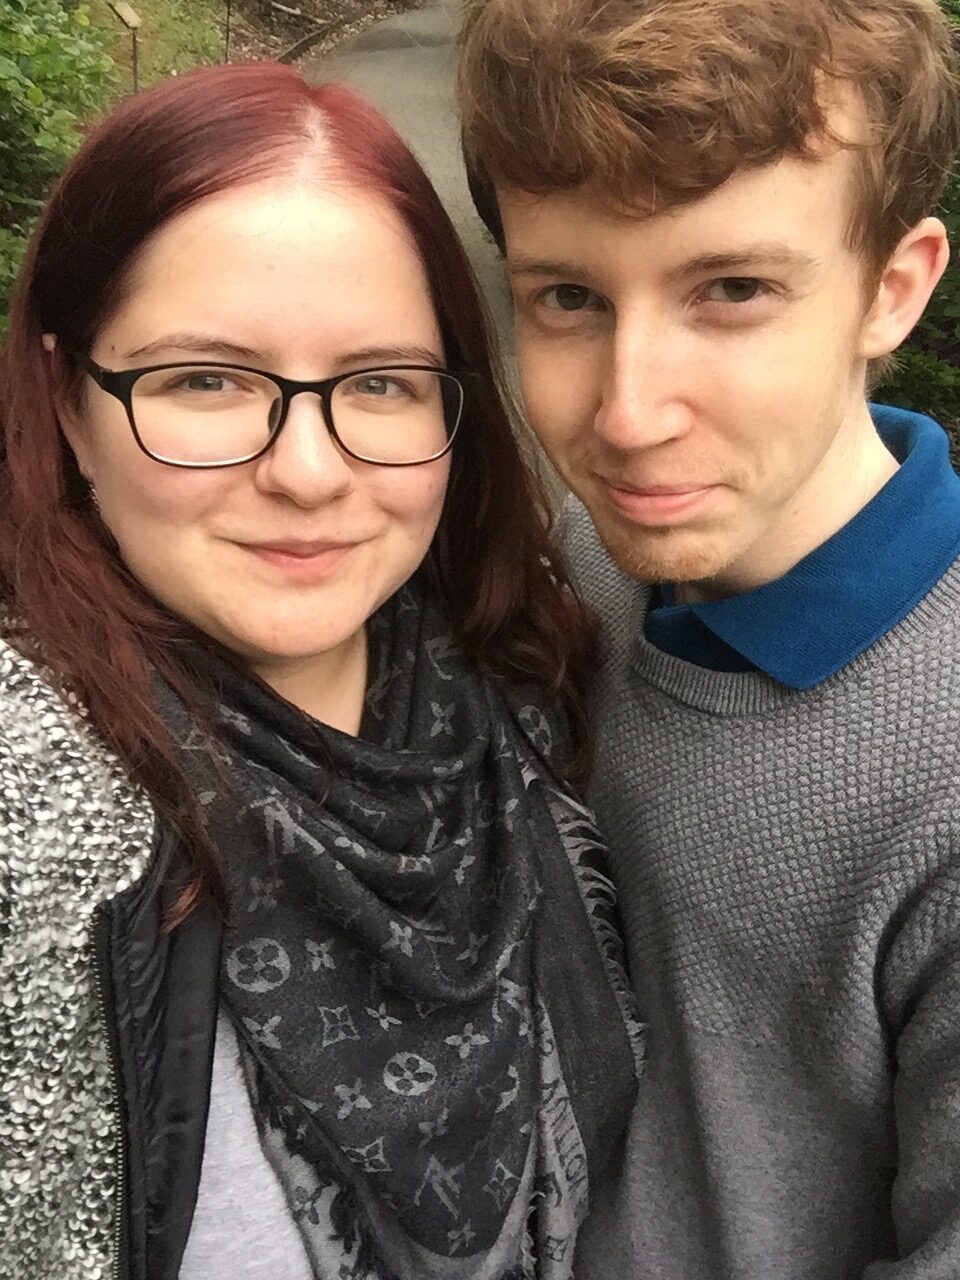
213 414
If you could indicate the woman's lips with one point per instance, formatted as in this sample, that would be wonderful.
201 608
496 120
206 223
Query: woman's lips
658 504
302 561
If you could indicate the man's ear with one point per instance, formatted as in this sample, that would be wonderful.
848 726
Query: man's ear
908 280
68 414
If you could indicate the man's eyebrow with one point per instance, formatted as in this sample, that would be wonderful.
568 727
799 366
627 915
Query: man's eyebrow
763 254
747 259
524 265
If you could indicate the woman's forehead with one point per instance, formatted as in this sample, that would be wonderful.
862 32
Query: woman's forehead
268 266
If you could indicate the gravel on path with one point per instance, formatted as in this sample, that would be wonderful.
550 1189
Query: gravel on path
265 29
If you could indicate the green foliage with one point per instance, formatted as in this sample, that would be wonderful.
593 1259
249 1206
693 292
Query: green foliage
186 36
927 372
13 244
54 72
175 35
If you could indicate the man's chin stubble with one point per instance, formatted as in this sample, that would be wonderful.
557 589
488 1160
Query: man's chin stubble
654 556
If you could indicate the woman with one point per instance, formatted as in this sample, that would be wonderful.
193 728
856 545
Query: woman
297 978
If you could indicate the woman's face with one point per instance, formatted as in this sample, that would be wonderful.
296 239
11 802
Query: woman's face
283 558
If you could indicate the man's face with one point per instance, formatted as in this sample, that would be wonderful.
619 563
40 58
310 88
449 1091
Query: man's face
696 376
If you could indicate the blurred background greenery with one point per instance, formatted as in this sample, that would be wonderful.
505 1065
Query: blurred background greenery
927 371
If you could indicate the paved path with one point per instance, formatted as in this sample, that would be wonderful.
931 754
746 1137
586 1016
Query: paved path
405 66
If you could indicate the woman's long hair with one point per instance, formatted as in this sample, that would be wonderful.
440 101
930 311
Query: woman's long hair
92 623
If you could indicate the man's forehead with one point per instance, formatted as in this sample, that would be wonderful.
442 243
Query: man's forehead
783 214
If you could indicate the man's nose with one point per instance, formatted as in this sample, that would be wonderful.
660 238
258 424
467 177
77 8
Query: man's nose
644 397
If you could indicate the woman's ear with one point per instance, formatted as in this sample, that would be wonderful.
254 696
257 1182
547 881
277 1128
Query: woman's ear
68 413
907 281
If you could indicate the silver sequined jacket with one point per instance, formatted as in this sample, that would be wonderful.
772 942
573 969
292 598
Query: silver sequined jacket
88 1183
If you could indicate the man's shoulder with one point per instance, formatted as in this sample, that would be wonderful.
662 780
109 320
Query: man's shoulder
580 537
934 621
606 588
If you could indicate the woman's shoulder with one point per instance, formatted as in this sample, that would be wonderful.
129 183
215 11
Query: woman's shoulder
74 832
60 785
39 721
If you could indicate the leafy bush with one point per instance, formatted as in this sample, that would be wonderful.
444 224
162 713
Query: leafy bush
175 36
54 72
927 373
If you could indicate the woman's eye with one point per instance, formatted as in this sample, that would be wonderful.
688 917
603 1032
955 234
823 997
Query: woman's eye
208 380
378 386
570 297
733 289
205 382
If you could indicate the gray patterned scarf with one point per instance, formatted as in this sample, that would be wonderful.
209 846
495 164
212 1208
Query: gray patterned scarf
421 963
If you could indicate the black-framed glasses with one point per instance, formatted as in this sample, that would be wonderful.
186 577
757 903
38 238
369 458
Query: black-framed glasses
206 414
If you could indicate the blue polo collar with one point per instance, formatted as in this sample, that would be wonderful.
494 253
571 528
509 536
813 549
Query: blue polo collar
847 593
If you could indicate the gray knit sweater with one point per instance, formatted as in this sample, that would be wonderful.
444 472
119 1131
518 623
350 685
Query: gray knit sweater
789 870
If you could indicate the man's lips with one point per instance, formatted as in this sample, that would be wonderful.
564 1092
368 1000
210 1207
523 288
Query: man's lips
658 503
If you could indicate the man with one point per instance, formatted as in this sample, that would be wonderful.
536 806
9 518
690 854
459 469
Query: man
716 223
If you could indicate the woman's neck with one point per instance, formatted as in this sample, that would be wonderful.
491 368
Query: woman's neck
329 686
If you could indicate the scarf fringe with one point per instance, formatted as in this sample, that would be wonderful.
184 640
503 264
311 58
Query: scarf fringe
584 848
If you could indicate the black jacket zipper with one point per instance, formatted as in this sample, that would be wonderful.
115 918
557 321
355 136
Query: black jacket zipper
101 967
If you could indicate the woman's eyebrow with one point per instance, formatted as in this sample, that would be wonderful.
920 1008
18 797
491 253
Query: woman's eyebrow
208 345
194 344
387 355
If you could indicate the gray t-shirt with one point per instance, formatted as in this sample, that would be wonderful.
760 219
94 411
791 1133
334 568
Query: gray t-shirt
242 1226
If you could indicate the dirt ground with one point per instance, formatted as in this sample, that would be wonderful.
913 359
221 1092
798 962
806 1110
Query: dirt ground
265 29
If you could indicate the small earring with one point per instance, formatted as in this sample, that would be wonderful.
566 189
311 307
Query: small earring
94 500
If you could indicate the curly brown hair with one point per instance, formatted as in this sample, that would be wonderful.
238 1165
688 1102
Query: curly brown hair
657 104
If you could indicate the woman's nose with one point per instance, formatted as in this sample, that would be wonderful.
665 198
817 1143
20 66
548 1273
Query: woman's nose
304 462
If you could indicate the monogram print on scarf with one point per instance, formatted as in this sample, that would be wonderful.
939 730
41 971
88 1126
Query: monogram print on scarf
402 1013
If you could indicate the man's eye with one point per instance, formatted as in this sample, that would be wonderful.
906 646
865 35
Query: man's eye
570 297
733 289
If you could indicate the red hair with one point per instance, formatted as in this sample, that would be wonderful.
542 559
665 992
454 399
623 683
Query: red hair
92 623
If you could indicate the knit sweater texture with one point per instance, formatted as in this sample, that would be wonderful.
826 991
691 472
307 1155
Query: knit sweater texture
789 870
